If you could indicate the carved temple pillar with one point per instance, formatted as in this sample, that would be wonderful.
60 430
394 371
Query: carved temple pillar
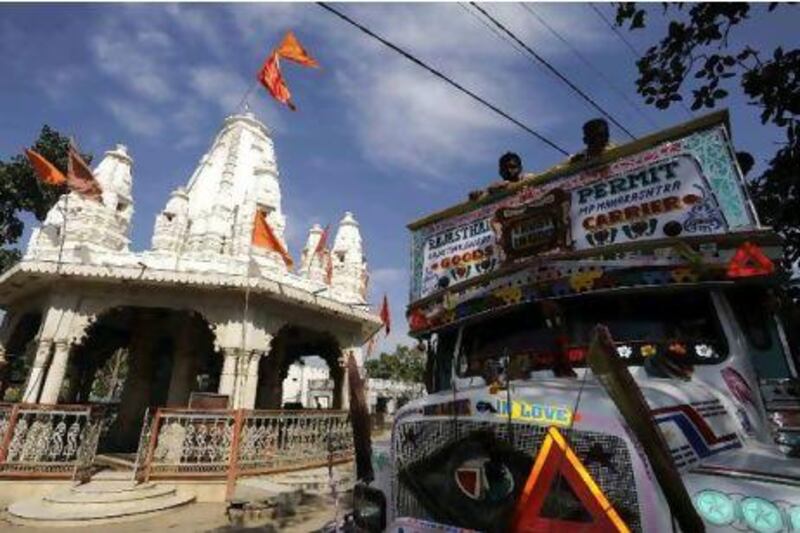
56 372
341 385
138 385
251 380
227 378
234 381
271 373
37 373
184 367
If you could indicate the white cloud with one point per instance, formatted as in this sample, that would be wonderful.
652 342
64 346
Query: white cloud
59 83
132 57
257 23
387 276
199 23
407 119
219 85
134 117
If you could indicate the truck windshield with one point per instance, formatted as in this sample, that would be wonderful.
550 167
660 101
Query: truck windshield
546 337
760 331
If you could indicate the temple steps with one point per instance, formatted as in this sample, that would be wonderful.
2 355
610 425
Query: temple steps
291 486
98 502
316 480
102 494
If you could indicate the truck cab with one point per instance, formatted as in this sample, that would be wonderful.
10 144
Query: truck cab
657 241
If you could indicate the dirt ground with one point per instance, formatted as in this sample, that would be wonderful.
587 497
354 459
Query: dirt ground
198 517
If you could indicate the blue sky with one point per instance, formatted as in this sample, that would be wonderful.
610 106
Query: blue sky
374 134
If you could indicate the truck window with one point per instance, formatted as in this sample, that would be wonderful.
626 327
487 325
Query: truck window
757 322
525 336
641 325
684 323
439 365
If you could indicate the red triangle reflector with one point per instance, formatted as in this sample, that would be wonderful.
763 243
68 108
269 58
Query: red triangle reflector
469 481
749 261
556 465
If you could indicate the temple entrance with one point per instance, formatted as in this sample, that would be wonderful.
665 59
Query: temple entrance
291 345
307 384
20 350
133 358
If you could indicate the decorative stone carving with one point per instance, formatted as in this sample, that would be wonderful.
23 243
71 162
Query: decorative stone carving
172 223
90 225
115 178
314 265
349 264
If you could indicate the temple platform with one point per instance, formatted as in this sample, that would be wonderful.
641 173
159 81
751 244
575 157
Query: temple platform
98 502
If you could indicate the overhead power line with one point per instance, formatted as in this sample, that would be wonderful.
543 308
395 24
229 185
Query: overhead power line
441 76
628 45
503 37
616 31
554 70
588 63
495 31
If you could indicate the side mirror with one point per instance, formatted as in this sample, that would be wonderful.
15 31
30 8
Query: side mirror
369 508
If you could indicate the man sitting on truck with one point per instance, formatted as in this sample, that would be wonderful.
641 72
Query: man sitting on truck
596 139
509 168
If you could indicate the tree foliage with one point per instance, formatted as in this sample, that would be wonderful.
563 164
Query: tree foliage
22 192
405 364
696 56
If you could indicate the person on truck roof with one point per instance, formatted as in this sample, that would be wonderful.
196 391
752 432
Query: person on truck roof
596 138
510 167
510 170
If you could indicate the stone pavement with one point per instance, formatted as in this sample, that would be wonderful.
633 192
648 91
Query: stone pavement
203 517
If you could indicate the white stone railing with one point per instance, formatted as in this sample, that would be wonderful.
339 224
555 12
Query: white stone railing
222 443
47 440
189 442
287 440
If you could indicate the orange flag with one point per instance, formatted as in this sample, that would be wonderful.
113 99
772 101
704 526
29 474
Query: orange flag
80 178
46 170
322 245
272 79
264 237
291 49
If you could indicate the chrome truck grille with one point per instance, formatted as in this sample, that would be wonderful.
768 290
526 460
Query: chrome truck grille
431 455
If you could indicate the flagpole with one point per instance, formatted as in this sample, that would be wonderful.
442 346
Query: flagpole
239 390
63 232
383 324
246 96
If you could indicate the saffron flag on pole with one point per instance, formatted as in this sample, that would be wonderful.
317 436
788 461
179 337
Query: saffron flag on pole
322 244
328 267
46 170
264 237
271 78
291 49
80 178
384 314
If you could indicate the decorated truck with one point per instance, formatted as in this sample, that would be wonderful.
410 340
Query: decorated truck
657 241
